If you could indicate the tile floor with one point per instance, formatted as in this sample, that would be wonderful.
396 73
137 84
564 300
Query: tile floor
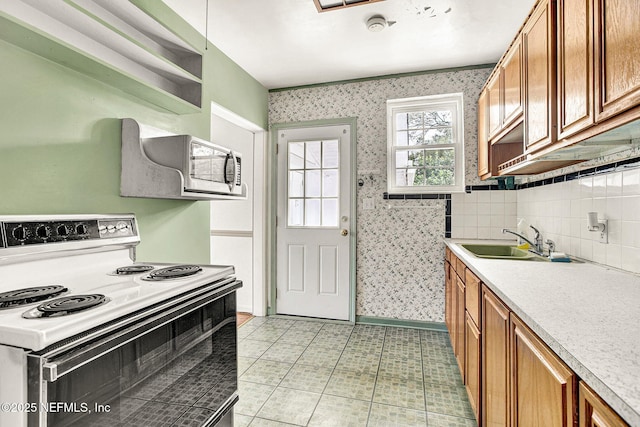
308 373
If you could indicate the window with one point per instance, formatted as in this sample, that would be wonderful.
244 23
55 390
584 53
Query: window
313 183
425 149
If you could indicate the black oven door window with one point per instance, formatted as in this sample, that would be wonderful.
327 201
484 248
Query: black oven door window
181 373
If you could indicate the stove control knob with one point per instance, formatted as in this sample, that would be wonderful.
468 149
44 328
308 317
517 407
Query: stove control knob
43 231
111 228
20 233
122 226
63 230
81 229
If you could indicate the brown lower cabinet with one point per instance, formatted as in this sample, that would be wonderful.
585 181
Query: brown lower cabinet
495 361
472 364
511 376
543 388
594 412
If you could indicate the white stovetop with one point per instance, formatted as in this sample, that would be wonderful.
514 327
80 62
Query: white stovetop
86 274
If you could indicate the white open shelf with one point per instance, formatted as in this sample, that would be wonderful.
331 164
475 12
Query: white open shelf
101 38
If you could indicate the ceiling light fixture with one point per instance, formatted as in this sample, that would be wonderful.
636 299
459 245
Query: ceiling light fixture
326 5
376 23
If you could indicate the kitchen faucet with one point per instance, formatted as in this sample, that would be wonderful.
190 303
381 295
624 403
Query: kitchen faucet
538 239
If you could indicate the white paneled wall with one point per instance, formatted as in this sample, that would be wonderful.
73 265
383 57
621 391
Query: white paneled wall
483 214
560 212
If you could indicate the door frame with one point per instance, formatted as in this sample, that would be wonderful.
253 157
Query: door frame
272 168
260 204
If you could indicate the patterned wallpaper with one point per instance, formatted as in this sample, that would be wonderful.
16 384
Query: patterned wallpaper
399 243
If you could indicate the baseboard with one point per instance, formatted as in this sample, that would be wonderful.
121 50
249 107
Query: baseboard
401 323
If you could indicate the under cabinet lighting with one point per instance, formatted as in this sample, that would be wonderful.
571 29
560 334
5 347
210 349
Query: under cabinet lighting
327 5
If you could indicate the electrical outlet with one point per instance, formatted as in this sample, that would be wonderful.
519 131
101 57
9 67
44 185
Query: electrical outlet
368 203
604 234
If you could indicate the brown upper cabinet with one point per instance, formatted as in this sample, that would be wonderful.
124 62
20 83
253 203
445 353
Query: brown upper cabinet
511 76
580 78
575 67
598 64
617 50
504 91
483 137
495 107
538 38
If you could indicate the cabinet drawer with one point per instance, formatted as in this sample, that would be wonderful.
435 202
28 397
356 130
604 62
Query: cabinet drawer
472 296
460 268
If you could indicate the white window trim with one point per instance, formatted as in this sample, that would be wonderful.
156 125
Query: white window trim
412 104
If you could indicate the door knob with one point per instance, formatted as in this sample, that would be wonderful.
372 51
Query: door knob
344 232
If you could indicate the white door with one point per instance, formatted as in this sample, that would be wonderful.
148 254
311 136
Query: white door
313 223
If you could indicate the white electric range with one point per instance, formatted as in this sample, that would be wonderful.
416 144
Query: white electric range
91 337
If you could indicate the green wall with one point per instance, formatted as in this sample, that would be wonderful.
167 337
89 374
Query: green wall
60 142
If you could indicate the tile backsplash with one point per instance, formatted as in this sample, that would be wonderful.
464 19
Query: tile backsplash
559 211
483 214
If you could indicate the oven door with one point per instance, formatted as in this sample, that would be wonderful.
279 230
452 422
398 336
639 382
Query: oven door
177 364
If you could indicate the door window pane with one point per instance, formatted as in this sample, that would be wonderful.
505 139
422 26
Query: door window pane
296 155
314 154
330 212
312 212
296 184
314 184
330 183
330 154
296 212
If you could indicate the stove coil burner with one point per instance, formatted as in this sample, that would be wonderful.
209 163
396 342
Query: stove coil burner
134 269
26 296
173 272
66 305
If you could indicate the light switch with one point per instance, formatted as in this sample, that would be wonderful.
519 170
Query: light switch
369 203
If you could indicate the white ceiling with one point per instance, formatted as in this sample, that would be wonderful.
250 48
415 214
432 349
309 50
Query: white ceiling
284 43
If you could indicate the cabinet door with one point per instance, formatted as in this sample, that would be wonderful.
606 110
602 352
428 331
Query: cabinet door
539 53
594 412
483 135
459 324
617 56
495 361
472 295
543 388
511 75
493 93
448 296
575 67
472 364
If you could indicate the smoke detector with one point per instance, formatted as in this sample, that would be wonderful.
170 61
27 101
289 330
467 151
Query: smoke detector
377 23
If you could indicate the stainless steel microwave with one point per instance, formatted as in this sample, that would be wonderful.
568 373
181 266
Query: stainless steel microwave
206 167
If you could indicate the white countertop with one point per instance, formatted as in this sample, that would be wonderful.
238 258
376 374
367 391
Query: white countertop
588 314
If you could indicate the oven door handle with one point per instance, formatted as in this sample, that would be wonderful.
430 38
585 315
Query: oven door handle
124 332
